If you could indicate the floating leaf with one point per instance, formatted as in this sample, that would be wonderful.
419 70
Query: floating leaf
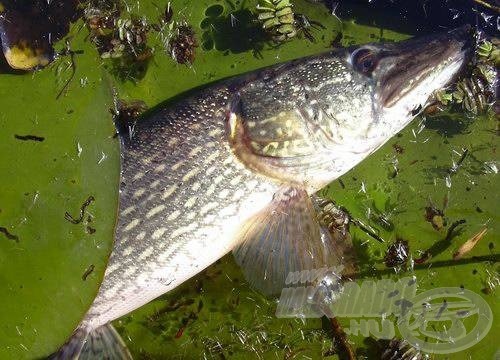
50 153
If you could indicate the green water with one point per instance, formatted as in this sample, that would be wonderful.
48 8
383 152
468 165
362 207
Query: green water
215 314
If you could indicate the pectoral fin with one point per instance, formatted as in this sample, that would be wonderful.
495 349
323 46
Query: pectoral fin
285 237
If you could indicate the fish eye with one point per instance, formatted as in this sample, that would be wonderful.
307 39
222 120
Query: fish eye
364 60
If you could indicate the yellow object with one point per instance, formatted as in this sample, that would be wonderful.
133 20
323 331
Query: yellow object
2 8
23 57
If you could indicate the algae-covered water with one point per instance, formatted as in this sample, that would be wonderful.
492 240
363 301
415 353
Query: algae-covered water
59 174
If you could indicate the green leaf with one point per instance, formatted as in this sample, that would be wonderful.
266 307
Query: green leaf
484 49
44 295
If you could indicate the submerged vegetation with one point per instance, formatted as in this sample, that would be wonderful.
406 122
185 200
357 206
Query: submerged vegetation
119 35
282 24
477 91
59 166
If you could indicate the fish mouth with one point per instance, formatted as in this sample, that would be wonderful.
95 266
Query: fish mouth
426 63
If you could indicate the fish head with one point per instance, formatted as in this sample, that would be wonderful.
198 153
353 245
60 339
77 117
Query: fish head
386 86
311 120
404 75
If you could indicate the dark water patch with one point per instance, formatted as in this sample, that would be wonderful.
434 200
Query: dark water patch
414 17
126 68
372 347
235 31
447 126
214 11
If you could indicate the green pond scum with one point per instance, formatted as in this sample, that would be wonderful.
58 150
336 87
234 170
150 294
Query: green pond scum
71 71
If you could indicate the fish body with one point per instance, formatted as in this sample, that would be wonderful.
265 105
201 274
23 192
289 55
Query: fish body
194 173
183 193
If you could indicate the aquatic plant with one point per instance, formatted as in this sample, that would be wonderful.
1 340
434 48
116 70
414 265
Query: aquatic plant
475 93
277 18
120 36
181 43
280 21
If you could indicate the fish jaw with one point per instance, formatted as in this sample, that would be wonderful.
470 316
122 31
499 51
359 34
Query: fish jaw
411 71
309 121
394 117
405 77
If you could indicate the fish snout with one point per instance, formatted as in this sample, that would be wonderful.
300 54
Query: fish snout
422 65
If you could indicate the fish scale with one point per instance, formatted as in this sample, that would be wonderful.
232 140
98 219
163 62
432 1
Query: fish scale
153 247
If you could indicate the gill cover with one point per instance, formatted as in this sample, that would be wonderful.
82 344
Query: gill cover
291 121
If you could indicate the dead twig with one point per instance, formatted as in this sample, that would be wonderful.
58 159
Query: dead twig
88 271
10 236
449 234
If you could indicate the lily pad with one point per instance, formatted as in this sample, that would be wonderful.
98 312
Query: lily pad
54 155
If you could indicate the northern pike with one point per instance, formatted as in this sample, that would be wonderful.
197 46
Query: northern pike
234 166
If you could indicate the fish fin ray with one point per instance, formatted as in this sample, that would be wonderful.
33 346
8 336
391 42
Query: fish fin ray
283 238
101 343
